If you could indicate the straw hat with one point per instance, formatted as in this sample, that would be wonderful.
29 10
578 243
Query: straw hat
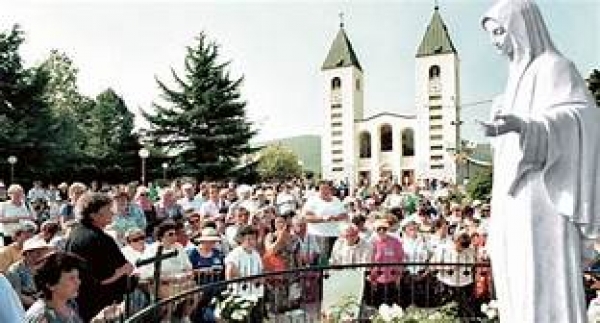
208 234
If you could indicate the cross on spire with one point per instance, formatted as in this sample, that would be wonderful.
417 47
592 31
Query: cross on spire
341 15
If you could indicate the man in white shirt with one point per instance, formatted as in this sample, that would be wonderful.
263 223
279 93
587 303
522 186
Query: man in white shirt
286 201
12 212
210 208
37 192
325 214
189 199
349 248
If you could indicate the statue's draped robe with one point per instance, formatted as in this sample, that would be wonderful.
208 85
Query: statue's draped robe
546 193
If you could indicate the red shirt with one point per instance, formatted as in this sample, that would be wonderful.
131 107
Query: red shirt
386 250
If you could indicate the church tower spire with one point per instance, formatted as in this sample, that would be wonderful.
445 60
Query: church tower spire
341 53
436 39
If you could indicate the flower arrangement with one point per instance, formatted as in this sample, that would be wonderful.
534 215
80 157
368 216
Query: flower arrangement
344 311
491 311
395 314
235 308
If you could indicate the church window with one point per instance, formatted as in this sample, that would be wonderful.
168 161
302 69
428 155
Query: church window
435 85
437 147
336 124
365 145
336 83
358 84
386 138
336 115
337 169
336 133
434 71
437 157
408 142
436 117
336 152
436 137
436 127
437 166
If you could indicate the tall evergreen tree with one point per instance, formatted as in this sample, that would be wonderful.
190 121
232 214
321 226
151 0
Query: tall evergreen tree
112 143
69 107
203 119
28 127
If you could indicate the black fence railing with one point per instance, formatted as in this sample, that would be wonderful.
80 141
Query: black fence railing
306 294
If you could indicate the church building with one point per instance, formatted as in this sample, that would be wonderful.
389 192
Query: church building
400 147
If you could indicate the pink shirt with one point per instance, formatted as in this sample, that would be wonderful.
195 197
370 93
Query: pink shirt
386 250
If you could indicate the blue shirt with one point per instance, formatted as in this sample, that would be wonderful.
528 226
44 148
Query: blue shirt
215 261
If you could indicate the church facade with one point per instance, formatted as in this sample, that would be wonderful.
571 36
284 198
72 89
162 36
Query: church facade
403 148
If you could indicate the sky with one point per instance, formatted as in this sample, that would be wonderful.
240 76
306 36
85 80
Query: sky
279 46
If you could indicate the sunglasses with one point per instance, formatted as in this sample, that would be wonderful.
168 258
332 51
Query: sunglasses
170 234
193 221
143 194
382 229
137 239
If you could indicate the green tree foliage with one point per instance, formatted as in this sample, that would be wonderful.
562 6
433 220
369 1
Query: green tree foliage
28 126
111 143
68 107
278 163
480 186
203 119
594 85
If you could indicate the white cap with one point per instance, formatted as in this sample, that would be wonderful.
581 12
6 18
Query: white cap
186 186
35 243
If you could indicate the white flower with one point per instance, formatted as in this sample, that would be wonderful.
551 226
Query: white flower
388 314
237 315
491 313
246 304
397 311
484 307
218 312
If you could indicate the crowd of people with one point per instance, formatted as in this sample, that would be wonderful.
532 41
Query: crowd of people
73 258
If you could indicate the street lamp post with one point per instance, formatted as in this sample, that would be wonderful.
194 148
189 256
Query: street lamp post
12 160
143 153
301 165
165 166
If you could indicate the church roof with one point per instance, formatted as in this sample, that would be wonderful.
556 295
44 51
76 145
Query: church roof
436 40
341 53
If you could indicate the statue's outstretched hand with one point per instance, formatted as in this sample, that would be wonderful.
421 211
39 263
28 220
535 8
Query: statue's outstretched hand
502 124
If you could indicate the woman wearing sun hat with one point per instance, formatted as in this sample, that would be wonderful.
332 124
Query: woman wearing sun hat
207 262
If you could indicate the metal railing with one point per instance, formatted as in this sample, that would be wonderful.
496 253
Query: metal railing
296 295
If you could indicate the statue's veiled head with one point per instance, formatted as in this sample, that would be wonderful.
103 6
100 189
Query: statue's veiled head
517 29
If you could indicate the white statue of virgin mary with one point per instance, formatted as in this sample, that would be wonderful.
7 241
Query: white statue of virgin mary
546 193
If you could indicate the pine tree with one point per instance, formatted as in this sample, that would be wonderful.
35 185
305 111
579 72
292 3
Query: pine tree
28 126
203 119
112 143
